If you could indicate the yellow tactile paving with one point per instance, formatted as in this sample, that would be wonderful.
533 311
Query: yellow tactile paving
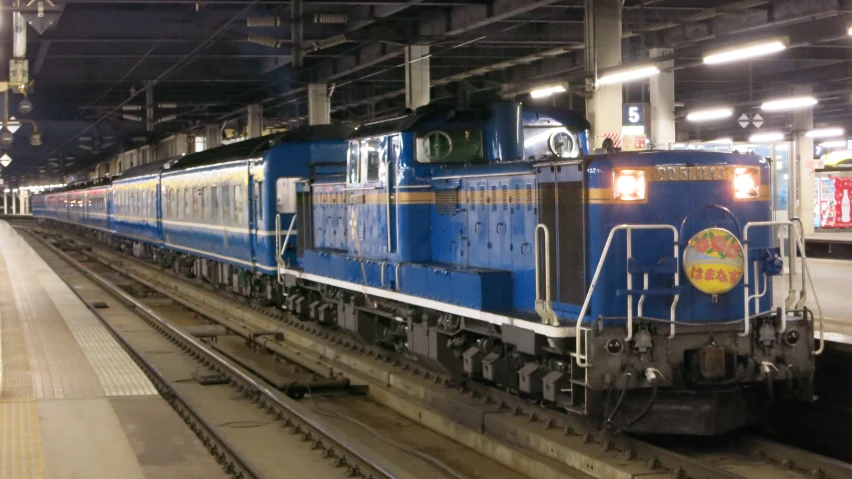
20 445
71 354
118 374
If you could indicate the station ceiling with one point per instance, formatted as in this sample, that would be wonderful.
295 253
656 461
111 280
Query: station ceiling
93 65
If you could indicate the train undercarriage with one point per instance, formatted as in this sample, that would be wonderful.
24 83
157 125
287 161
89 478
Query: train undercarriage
704 381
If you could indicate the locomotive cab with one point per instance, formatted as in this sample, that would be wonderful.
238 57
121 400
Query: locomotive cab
677 294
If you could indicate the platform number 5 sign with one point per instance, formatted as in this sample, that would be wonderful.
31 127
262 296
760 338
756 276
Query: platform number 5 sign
633 114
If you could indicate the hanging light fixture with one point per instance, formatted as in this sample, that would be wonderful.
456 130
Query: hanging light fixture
746 51
789 103
831 132
622 75
709 114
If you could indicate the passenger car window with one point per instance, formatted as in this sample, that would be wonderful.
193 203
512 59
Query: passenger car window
226 204
238 204
186 194
205 208
454 145
353 166
214 203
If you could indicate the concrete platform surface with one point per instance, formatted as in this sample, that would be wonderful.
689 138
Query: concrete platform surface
73 404
831 235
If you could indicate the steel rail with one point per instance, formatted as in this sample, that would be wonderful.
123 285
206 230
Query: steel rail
234 462
271 396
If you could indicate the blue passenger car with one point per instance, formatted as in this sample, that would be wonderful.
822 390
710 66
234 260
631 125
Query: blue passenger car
136 205
223 204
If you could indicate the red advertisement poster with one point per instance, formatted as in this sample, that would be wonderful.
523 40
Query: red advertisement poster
842 198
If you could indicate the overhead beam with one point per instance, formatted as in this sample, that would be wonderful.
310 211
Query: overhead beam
464 18
365 14
366 56
743 17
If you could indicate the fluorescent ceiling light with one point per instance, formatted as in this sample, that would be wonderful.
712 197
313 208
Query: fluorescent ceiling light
826 132
766 137
849 30
723 140
789 103
543 92
833 144
746 51
628 74
711 114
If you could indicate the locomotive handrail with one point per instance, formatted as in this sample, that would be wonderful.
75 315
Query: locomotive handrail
792 231
579 326
542 306
278 238
287 238
279 247
747 298
804 291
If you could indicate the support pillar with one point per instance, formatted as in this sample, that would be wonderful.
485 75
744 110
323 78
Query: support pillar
662 125
319 104
296 32
603 50
14 202
417 79
213 135
801 164
5 205
255 121
149 108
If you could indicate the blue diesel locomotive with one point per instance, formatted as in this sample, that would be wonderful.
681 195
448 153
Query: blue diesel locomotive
489 243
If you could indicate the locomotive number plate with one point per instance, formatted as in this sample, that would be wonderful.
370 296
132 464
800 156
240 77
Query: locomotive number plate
693 173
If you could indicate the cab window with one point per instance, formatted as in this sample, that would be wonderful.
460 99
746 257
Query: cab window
371 157
353 167
285 195
452 145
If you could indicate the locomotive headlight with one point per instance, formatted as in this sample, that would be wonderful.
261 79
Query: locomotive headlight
746 184
629 185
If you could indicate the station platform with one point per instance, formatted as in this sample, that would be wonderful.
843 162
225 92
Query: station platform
833 244
73 404
832 281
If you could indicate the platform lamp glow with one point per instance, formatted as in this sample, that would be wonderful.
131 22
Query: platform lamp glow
766 137
791 103
709 114
622 75
831 132
746 51
547 91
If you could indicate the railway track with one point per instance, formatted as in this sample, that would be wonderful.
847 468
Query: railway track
325 425
531 440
